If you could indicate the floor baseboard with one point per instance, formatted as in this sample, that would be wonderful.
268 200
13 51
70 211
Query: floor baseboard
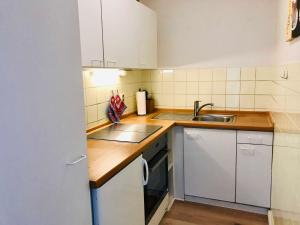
270 218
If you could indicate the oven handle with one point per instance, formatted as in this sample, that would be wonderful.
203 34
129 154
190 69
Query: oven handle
157 164
145 165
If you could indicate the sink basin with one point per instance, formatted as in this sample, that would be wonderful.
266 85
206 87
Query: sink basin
215 118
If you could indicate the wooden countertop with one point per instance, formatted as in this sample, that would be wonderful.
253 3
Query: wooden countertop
107 158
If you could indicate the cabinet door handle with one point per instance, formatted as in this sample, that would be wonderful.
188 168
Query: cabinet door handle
96 63
113 63
248 150
256 140
145 165
82 157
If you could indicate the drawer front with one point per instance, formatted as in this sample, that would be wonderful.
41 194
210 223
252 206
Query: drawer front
253 175
255 137
155 147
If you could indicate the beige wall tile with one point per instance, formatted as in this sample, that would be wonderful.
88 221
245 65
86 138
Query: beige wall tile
136 76
233 87
101 95
192 75
205 99
180 87
219 74
232 101
89 79
293 103
94 124
158 100
157 87
179 75
233 73
205 87
179 101
84 97
293 85
266 73
263 87
167 88
247 87
102 111
85 115
219 101
190 100
219 87
156 75
98 96
293 71
263 101
279 88
85 77
205 75
92 113
168 100
247 101
192 88
168 75
91 96
146 75
248 74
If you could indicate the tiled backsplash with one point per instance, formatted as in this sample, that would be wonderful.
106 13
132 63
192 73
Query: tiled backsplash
259 88
286 152
230 89
98 89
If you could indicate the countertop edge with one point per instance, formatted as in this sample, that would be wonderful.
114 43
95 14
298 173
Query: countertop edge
94 184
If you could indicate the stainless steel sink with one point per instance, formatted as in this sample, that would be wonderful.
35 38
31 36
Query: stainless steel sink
215 118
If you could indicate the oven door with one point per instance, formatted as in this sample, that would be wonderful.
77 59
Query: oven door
156 186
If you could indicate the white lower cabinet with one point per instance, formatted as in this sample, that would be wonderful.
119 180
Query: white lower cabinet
120 201
228 165
209 163
254 164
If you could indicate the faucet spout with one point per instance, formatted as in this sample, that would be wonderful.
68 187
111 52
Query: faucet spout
198 108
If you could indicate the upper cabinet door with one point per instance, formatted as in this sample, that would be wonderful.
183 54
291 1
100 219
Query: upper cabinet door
117 34
91 33
120 32
147 37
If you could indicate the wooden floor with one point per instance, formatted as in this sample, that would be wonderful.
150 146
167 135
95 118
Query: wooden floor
186 213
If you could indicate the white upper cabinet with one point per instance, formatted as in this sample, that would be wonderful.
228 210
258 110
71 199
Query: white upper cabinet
117 34
120 33
91 33
147 37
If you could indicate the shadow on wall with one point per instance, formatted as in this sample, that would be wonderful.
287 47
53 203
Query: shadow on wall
209 33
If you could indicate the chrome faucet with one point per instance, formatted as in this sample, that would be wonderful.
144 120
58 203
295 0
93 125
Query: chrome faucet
197 107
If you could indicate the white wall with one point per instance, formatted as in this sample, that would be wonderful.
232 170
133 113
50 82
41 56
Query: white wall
288 51
215 33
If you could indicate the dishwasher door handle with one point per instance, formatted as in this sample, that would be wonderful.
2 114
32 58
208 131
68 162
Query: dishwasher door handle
145 179
82 157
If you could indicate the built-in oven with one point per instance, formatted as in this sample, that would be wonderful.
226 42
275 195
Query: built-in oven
155 176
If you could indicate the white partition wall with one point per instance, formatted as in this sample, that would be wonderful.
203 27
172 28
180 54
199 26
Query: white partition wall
41 115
